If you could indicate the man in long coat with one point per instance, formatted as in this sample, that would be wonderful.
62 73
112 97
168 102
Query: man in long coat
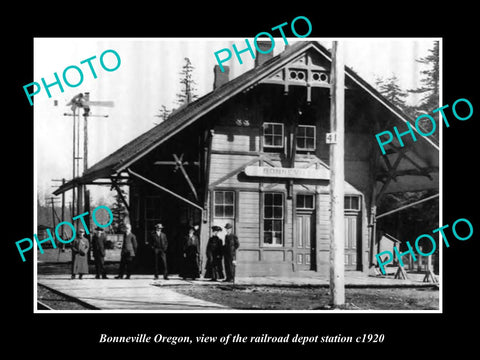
229 254
98 246
79 252
129 249
159 244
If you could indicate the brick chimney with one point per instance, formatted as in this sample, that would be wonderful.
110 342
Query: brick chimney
219 77
264 46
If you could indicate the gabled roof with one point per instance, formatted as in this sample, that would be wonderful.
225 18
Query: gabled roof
120 159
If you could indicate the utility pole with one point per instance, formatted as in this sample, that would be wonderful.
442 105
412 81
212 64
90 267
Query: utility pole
63 211
74 158
54 214
53 211
337 177
86 111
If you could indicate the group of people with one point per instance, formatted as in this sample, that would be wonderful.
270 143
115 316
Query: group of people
216 251
158 242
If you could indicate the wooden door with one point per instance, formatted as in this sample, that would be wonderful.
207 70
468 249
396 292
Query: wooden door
351 241
305 241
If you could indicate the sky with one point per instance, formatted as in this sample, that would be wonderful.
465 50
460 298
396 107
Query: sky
148 77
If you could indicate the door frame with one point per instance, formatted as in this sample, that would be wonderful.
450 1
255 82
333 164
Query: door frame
358 240
312 216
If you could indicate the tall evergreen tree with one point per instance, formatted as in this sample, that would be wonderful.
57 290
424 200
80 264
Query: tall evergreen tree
187 93
164 113
390 89
429 89
430 81
119 212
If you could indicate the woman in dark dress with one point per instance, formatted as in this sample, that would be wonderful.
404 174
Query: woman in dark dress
191 252
214 256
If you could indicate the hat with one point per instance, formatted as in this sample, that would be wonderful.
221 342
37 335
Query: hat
228 226
216 228
159 226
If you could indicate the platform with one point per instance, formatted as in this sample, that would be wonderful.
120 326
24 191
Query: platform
143 293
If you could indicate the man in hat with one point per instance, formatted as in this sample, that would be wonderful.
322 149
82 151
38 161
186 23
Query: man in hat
229 254
159 244
129 249
98 245
80 247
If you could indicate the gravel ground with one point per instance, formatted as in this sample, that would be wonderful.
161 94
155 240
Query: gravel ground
311 298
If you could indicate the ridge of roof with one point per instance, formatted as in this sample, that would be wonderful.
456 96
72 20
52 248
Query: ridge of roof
115 160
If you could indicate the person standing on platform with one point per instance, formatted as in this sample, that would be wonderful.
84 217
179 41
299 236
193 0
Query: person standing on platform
191 252
159 243
79 252
98 246
230 250
129 249
214 256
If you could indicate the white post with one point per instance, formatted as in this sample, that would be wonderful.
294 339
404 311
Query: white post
337 218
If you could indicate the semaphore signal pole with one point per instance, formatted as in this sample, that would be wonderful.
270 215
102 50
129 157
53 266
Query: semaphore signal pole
81 101
337 177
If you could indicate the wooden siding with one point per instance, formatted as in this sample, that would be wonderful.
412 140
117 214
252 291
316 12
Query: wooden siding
248 218
221 165
236 138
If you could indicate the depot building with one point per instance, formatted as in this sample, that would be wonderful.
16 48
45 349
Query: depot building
253 153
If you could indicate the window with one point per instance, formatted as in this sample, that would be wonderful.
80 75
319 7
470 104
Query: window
305 202
273 135
273 219
306 137
224 204
352 203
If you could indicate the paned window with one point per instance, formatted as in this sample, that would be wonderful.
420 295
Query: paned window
352 203
273 135
306 137
273 217
305 202
224 204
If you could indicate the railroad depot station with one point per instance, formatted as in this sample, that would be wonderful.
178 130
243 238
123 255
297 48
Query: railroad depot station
253 153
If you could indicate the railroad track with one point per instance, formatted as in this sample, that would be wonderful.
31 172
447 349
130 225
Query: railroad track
43 306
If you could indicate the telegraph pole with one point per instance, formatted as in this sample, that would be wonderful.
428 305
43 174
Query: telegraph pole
81 101
337 177
74 157
63 211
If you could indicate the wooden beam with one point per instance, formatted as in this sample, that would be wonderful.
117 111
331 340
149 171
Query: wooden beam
412 172
182 169
391 177
235 171
164 189
207 151
236 152
119 192
185 163
406 206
